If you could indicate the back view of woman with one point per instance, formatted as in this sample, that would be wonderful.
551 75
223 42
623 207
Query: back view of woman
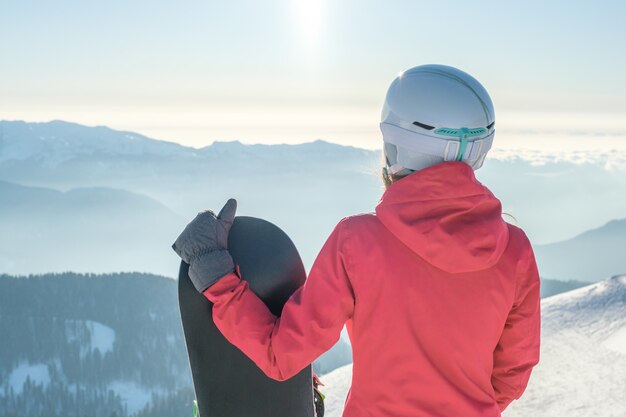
439 294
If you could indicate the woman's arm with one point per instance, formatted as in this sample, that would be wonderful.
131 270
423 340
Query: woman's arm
517 351
310 323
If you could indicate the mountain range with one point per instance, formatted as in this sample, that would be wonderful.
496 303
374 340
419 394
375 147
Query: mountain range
88 199
587 256
83 229
97 200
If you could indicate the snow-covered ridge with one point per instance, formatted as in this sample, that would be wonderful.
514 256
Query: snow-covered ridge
597 310
55 142
582 364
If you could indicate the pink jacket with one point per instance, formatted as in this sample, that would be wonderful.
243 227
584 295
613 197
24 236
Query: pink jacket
440 297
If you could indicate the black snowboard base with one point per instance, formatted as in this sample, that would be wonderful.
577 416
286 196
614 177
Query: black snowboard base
227 383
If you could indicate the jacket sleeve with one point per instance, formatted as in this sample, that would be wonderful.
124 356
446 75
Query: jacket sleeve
517 351
310 322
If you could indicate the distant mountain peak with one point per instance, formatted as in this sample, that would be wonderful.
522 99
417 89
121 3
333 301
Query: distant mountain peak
602 296
619 279
57 141
235 144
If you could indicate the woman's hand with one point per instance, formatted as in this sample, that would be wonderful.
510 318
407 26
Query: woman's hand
203 245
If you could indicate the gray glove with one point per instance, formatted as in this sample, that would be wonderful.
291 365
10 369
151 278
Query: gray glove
203 245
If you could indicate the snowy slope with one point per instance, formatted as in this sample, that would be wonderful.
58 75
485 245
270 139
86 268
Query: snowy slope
336 387
38 374
91 335
582 370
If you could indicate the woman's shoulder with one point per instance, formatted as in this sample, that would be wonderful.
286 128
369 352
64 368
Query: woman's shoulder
519 243
360 227
518 233
358 221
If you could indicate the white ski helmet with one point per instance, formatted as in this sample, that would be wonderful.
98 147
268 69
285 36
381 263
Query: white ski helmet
432 114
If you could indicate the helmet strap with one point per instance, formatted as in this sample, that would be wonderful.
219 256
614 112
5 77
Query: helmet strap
461 152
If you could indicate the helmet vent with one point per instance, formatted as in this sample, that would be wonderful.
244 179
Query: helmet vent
423 125
462 132
490 125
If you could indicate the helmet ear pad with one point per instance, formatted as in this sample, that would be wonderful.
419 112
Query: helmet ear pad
409 159
477 163
391 153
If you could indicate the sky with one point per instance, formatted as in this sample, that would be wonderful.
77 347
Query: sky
292 71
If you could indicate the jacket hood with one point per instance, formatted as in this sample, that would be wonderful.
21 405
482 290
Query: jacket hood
447 217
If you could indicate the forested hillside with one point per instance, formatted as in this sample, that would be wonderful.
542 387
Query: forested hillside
92 345
96 345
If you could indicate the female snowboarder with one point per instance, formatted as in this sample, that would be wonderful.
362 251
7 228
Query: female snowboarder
440 295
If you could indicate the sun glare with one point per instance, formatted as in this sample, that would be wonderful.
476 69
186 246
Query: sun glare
308 17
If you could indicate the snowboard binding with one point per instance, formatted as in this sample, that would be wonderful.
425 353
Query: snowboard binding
318 397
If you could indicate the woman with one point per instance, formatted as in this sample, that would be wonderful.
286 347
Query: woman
439 294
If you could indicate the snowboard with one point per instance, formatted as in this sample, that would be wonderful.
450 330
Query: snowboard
226 382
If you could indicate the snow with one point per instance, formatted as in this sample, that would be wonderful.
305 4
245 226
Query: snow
578 374
102 337
336 386
99 337
617 341
38 374
53 143
133 395
582 367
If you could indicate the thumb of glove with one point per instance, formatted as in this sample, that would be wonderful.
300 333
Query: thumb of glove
226 218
